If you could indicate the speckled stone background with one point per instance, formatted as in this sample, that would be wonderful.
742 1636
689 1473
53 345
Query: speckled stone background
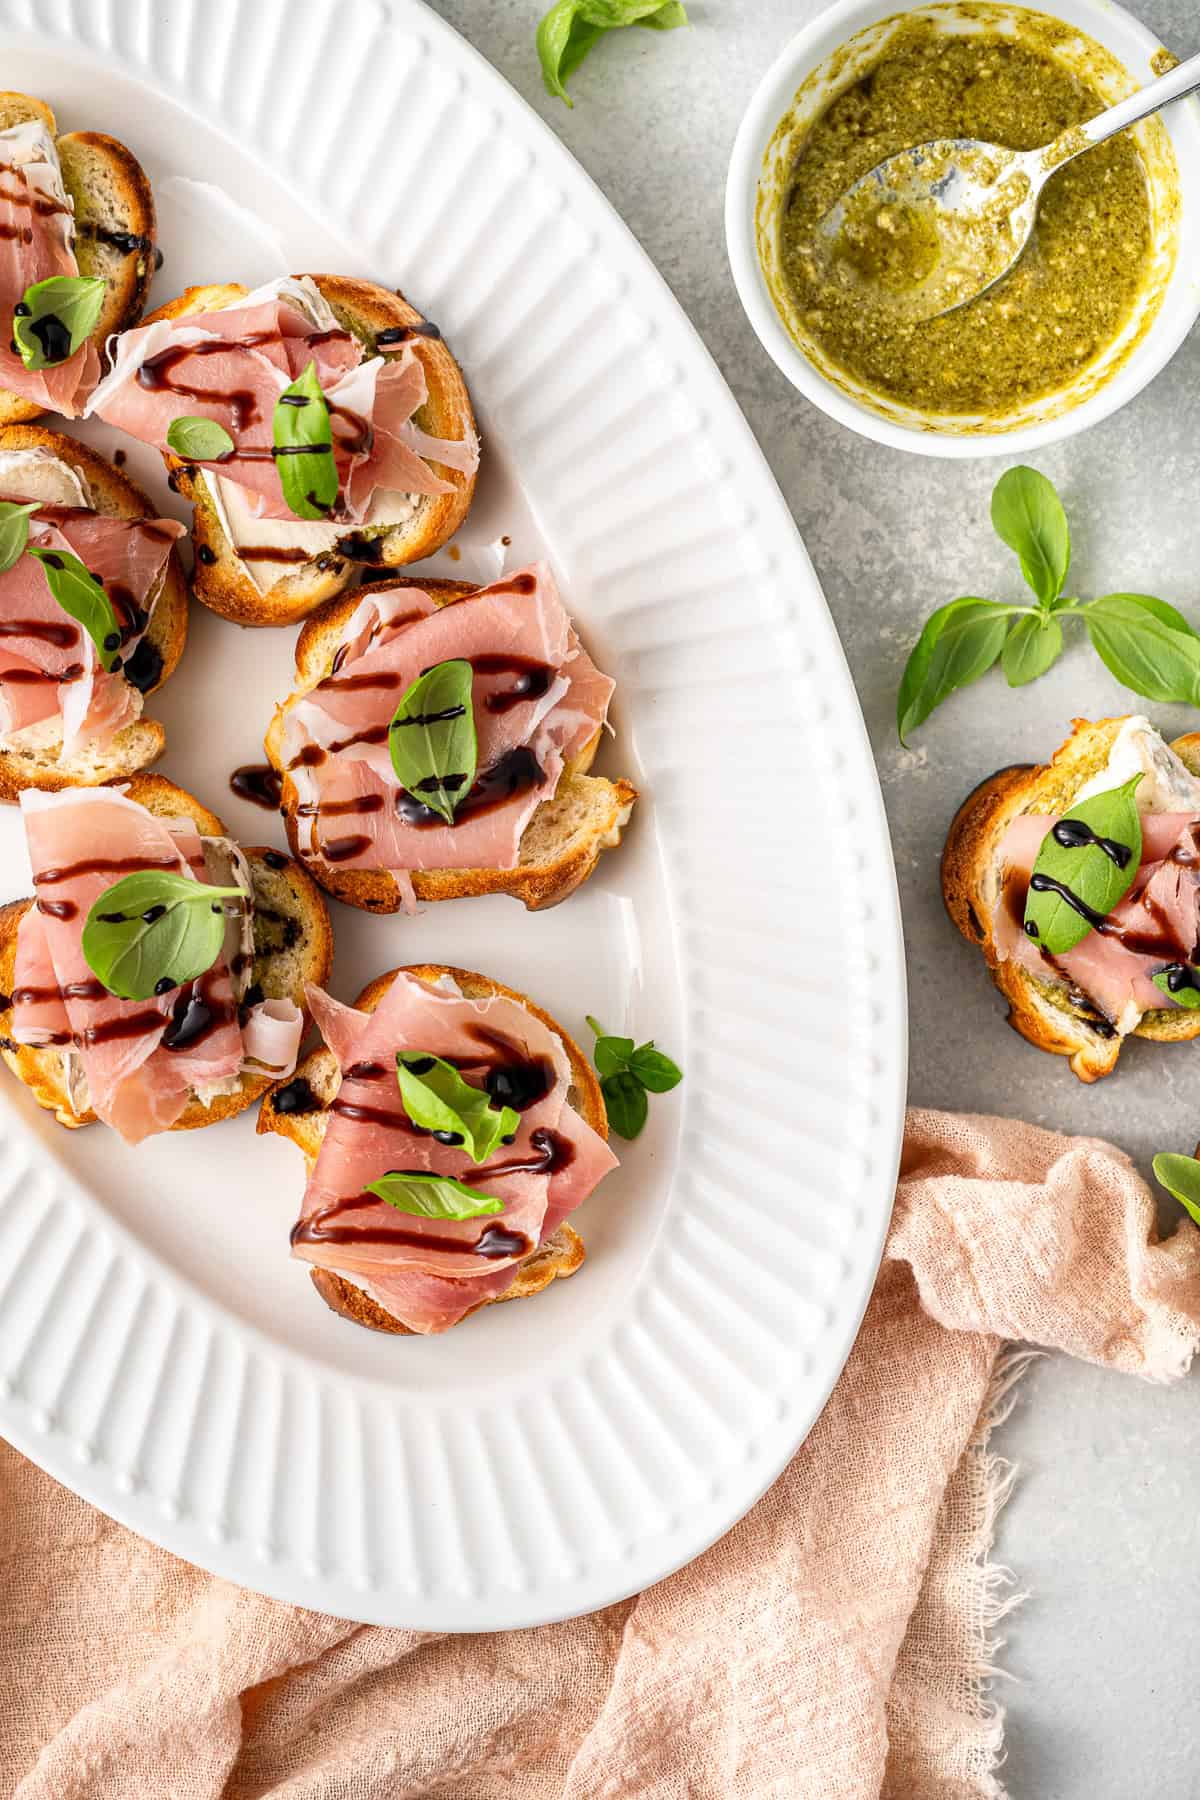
1102 1528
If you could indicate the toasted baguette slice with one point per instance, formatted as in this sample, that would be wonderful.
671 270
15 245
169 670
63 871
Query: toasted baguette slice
114 226
143 742
561 1253
222 580
293 944
562 842
1044 1012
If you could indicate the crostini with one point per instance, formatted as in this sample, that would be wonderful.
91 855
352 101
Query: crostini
517 813
315 425
449 1128
77 257
157 980
1089 924
93 615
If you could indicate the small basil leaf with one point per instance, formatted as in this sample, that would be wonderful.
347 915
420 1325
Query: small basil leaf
960 642
430 1196
1095 870
200 440
571 27
611 1053
1180 1175
84 599
1147 645
154 930
1028 514
1033 645
654 1070
432 738
437 1098
55 317
1186 992
14 531
304 447
626 1103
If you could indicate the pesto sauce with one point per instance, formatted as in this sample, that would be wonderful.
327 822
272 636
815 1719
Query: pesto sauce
1072 290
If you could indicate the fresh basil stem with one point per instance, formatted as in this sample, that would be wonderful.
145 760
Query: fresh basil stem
154 930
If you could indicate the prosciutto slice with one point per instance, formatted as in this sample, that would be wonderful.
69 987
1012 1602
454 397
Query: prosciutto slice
429 1273
37 241
537 697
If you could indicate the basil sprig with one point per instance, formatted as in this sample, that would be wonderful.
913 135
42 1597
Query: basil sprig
154 930
568 31
1180 1175
304 447
627 1074
437 1098
54 317
79 593
430 1196
432 740
1086 864
14 531
1144 642
199 439
1182 982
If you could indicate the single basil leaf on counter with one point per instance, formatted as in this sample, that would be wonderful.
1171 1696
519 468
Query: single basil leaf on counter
960 642
1180 1175
1147 645
625 1102
1033 645
432 738
84 599
200 440
54 317
611 1054
1186 993
654 1070
437 1098
304 447
1095 870
154 930
571 27
1028 514
429 1196
14 531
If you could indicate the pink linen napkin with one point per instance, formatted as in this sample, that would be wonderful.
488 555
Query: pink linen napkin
834 1646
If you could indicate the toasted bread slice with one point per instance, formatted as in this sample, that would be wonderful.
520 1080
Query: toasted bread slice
293 944
222 581
1046 1013
114 226
143 742
561 844
561 1253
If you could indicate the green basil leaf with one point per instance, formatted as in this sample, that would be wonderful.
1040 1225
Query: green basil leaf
436 1097
1096 870
611 1053
1186 994
54 317
304 447
654 1070
960 643
432 737
571 27
625 1102
84 598
1033 645
154 930
430 1196
1147 645
14 531
1028 514
200 440
1180 1175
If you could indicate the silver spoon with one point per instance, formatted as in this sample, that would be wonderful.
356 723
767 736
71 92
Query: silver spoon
935 226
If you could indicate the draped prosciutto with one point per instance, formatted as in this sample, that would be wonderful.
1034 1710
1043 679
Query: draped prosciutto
537 697
37 241
141 1060
232 365
429 1273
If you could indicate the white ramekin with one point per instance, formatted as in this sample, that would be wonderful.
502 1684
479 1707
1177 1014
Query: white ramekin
1134 47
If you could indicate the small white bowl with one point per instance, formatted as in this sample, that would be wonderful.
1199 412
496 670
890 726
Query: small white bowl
1162 319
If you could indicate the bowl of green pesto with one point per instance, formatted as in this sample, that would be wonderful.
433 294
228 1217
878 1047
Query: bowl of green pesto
1106 290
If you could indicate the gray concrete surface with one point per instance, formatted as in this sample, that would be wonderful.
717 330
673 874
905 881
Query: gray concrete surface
1102 1526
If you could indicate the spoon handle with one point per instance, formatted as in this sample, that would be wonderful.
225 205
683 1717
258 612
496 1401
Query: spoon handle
1171 86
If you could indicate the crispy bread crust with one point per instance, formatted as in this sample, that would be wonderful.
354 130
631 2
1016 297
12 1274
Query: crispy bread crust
558 1257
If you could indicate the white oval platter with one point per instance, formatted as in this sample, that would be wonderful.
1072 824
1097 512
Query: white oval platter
159 1352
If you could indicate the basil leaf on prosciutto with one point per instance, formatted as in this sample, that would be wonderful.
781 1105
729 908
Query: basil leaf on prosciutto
1087 862
432 738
